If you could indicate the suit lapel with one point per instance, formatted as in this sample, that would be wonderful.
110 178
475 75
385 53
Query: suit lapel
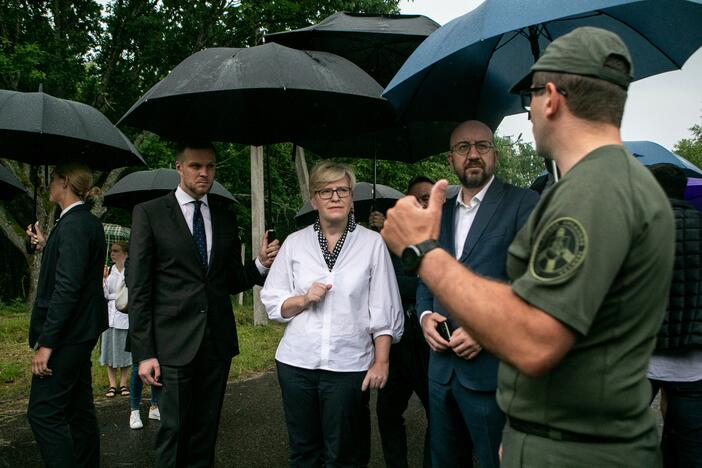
217 218
447 225
486 210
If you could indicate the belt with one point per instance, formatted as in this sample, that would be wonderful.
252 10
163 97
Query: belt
548 432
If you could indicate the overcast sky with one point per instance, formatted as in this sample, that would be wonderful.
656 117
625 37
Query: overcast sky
660 108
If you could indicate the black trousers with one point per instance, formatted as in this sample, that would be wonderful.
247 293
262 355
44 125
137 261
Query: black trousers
409 363
61 411
327 417
190 405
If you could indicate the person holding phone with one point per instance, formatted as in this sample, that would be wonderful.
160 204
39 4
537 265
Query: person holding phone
68 316
478 224
334 286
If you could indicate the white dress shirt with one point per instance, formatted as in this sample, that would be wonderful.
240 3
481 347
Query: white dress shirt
116 319
187 206
68 208
364 301
463 218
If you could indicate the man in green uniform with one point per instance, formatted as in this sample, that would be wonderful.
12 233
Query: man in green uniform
590 273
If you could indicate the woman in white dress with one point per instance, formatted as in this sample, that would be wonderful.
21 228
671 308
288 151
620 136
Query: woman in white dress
113 340
334 285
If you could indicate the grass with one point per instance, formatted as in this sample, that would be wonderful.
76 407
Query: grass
257 350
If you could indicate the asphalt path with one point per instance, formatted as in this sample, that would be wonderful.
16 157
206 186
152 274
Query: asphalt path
252 431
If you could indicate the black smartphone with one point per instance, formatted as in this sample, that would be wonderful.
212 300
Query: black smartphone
443 329
271 235
31 248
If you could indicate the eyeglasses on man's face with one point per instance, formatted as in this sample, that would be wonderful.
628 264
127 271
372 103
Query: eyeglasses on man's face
527 94
327 193
462 148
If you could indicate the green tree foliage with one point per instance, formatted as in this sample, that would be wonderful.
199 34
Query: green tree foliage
691 148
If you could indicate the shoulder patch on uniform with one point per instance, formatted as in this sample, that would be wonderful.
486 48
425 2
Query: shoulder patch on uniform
559 250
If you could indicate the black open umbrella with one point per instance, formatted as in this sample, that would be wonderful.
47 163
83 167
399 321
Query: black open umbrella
365 195
407 142
9 185
142 186
261 95
37 128
379 44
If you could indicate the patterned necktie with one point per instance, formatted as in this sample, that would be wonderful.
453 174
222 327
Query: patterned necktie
199 233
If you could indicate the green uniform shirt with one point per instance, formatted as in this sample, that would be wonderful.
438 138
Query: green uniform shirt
597 254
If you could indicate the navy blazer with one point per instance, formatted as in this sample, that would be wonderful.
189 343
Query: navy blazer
70 307
503 211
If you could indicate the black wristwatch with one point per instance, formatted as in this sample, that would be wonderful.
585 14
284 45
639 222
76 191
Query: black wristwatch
412 255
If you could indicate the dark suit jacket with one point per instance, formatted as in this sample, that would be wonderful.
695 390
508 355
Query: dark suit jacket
500 215
70 306
172 298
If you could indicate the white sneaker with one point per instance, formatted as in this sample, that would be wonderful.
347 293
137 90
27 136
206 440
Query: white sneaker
154 413
135 420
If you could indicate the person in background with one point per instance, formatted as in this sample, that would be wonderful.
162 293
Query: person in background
676 364
478 224
334 286
68 316
113 340
409 359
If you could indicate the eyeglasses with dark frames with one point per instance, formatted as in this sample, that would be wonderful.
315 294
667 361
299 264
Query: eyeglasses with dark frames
327 193
527 94
462 148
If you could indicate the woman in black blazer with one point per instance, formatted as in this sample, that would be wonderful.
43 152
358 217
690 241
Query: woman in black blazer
69 314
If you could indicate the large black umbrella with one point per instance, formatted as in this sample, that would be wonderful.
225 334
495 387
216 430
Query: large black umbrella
261 95
465 69
142 186
366 197
9 185
379 44
40 129
407 142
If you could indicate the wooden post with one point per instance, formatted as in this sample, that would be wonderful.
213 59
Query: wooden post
243 261
258 222
303 177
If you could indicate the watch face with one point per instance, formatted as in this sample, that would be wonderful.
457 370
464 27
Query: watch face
410 258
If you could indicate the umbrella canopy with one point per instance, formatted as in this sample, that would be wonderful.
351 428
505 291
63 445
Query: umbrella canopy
261 95
9 185
385 198
649 153
379 44
408 142
465 69
115 233
693 192
142 186
37 128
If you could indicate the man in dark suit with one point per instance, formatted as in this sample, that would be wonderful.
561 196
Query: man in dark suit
184 263
477 227
68 316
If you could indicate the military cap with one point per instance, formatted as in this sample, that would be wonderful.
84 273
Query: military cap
582 51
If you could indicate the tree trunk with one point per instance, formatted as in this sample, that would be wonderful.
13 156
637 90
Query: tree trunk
257 224
303 177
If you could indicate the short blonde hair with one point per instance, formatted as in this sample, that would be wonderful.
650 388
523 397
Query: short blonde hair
326 171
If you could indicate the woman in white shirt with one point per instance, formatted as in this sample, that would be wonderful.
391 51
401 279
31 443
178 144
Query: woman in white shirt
334 285
112 353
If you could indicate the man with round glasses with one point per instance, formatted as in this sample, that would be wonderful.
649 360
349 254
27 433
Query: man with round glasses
478 225
589 271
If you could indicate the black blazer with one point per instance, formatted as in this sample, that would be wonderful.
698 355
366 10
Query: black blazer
172 298
70 306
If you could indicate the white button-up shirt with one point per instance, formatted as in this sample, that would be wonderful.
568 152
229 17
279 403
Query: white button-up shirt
116 319
364 301
464 215
188 208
